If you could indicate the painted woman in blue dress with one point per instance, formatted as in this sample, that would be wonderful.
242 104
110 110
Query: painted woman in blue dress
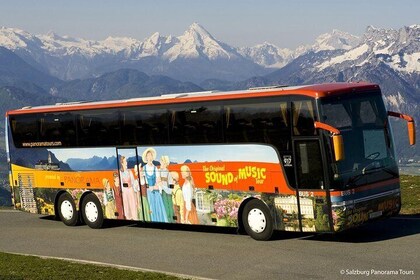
158 213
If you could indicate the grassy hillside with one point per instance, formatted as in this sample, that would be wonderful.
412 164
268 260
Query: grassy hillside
410 192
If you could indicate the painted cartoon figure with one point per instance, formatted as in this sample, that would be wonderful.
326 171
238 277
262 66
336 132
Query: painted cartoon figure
127 187
165 181
141 192
177 198
118 197
109 199
158 213
190 213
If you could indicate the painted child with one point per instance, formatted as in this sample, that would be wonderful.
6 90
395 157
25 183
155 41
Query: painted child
118 197
177 198
190 213
142 194
165 181
109 200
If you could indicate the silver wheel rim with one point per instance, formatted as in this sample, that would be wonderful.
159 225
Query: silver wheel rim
67 210
256 220
91 212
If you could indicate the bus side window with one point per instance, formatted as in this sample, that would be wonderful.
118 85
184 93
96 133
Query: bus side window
309 164
266 123
24 129
303 118
196 125
99 128
145 127
237 124
58 127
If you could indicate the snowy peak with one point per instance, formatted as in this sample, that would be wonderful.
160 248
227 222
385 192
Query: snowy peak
398 49
373 34
336 40
198 42
14 38
153 45
198 34
267 55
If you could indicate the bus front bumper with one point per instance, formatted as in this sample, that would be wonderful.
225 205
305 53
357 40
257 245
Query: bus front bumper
352 213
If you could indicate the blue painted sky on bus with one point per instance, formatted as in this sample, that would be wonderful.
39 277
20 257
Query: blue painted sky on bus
179 154
237 22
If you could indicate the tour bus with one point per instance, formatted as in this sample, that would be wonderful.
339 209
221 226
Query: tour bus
313 158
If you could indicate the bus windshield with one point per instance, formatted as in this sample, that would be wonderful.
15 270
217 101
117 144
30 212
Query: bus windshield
369 155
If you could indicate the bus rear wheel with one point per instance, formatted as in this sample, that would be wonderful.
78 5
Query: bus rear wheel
92 211
67 210
257 220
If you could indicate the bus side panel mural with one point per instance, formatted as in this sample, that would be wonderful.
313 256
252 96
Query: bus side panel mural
177 184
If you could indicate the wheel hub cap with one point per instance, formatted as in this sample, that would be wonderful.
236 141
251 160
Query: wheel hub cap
256 220
91 212
67 210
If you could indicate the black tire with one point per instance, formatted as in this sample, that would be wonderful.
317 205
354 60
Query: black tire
67 210
257 220
92 211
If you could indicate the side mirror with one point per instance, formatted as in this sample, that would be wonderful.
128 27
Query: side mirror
337 139
338 145
411 133
410 125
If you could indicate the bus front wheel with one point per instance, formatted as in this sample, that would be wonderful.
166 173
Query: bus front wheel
257 220
67 210
92 211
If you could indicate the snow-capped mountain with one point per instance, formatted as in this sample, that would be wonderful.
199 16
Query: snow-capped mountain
269 55
73 58
69 58
336 40
399 49
198 42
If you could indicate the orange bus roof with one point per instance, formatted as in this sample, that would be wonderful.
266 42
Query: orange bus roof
314 91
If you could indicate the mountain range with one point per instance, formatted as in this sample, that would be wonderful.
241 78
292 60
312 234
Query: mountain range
193 56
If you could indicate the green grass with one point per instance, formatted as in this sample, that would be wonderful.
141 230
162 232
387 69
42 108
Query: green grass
17 267
410 194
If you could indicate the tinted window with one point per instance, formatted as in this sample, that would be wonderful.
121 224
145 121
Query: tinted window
145 127
99 128
261 123
25 129
336 115
309 165
196 124
303 118
51 127
58 127
367 112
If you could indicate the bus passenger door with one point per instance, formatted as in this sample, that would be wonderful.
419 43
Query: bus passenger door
314 198
131 184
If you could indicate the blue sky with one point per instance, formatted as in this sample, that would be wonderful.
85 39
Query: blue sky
238 23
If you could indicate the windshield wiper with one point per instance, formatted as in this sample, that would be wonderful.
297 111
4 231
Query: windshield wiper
376 167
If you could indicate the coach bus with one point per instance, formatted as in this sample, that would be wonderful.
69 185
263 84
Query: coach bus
315 158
